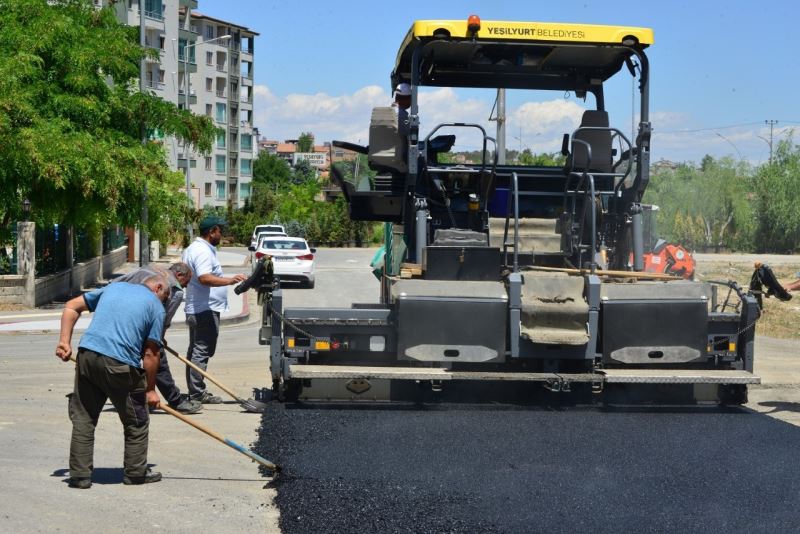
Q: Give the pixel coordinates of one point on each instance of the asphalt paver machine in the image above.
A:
(509, 274)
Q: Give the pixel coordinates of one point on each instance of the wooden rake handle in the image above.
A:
(204, 373)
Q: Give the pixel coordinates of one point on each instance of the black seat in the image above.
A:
(599, 140)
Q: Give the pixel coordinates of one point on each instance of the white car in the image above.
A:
(266, 229)
(292, 259)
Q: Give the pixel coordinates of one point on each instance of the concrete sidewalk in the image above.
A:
(47, 319)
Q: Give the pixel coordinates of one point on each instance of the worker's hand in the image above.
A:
(153, 400)
(63, 350)
(238, 278)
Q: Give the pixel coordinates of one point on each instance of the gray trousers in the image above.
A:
(203, 334)
(98, 378)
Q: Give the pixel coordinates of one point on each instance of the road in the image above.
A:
(410, 468)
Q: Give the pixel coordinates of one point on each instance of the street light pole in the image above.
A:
(187, 91)
(731, 143)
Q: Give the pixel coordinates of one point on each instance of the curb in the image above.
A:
(242, 317)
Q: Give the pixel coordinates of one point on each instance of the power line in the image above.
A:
(695, 130)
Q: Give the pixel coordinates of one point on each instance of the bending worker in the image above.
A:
(202, 318)
(117, 359)
(178, 276)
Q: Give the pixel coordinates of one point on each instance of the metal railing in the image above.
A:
(155, 15)
(220, 68)
(246, 99)
(155, 85)
(221, 94)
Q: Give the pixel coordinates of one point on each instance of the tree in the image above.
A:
(71, 118)
(778, 210)
(272, 171)
(306, 142)
(303, 172)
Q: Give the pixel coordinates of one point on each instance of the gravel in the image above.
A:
(447, 468)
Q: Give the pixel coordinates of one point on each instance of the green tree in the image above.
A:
(303, 172)
(305, 143)
(541, 160)
(272, 171)
(71, 118)
(776, 188)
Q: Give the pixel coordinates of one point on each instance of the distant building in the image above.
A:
(220, 85)
(663, 165)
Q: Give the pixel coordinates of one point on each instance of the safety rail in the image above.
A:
(586, 186)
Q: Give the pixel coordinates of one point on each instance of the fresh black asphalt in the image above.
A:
(446, 468)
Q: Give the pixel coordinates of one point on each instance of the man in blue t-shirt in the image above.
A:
(117, 359)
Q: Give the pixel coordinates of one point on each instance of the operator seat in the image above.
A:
(386, 145)
(599, 140)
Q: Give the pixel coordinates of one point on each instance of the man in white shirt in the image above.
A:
(201, 316)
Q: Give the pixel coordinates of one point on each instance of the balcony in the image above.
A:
(233, 173)
(221, 94)
(246, 99)
(233, 126)
(221, 68)
(154, 15)
(233, 95)
(182, 96)
(182, 63)
(159, 86)
(191, 4)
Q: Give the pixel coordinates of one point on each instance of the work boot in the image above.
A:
(208, 398)
(80, 483)
(148, 478)
(188, 406)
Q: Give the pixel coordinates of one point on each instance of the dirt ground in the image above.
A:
(780, 319)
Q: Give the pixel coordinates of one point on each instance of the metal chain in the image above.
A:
(289, 323)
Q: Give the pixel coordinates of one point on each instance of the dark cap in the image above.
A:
(210, 222)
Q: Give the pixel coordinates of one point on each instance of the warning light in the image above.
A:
(473, 24)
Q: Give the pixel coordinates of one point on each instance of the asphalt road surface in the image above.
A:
(457, 468)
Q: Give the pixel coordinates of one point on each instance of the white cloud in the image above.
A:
(535, 125)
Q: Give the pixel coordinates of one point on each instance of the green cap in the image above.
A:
(210, 222)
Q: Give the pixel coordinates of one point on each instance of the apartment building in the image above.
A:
(207, 65)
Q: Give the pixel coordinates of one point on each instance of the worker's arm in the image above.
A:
(211, 280)
(150, 357)
(794, 286)
(72, 311)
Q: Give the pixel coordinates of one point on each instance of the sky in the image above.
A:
(719, 70)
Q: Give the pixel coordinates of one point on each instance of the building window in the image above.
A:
(220, 112)
(209, 84)
(244, 191)
(209, 58)
(209, 110)
(208, 168)
(209, 32)
(221, 140)
(221, 165)
(247, 142)
(220, 190)
(246, 167)
(234, 139)
(207, 188)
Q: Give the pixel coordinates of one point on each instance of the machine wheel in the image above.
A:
(733, 394)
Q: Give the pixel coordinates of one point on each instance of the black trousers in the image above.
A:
(165, 383)
(97, 379)
(203, 334)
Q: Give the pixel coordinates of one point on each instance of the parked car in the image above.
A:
(273, 229)
(292, 258)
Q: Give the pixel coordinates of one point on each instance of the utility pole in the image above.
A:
(772, 124)
(501, 127)
(144, 241)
